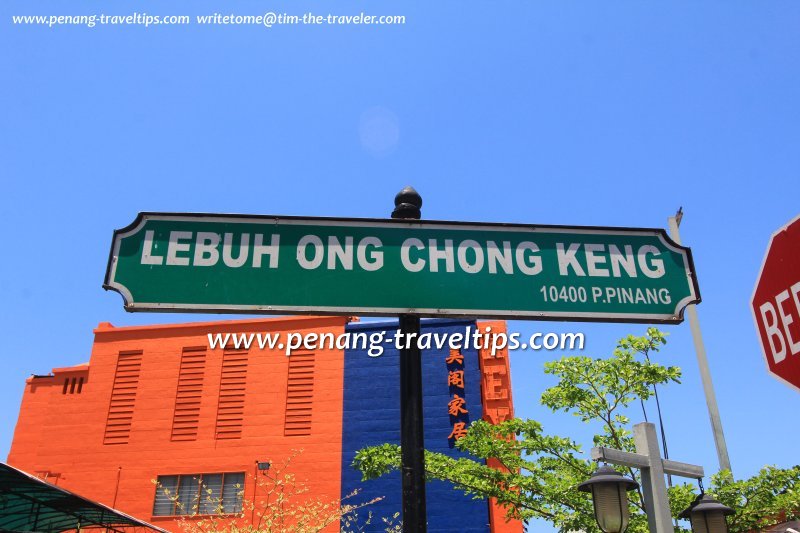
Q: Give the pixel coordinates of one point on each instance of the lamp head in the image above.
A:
(610, 499)
(707, 515)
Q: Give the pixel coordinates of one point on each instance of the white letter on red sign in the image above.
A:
(773, 331)
(787, 319)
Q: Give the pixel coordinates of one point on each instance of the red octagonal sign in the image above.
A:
(776, 304)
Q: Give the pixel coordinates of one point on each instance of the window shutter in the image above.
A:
(230, 410)
(123, 398)
(190, 391)
(299, 395)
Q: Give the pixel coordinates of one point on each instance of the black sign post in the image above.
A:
(408, 204)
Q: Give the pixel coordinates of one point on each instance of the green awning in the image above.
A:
(29, 504)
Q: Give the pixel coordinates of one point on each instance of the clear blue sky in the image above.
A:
(586, 113)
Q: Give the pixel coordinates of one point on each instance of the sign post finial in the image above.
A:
(407, 204)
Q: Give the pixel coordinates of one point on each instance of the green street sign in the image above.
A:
(270, 264)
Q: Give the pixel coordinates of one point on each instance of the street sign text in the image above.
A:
(383, 267)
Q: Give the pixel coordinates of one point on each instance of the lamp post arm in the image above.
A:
(636, 460)
(619, 457)
(676, 468)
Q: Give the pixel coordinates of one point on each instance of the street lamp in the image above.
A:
(707, 515)
(610, 498)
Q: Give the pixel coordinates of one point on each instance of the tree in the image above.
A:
(540, 471)
(280, 505)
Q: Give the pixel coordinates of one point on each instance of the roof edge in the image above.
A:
(106, 328)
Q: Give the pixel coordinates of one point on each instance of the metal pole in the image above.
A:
(656, 503)
(408, 204)
(702, 362)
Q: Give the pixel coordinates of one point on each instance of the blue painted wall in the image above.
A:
(372, 416)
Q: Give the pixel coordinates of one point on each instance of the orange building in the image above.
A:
(157, 403)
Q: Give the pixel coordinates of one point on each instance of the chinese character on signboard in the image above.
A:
(457, 405)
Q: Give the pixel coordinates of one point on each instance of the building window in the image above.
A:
(199, 494)
(72, 385)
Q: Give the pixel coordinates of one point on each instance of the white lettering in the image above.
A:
(319, 252)
(227, 247)
(463, 262)
(663, 295)
(592, 261)
(495, 257)
(205, 248)
(375, 260)
(345, 255)
(771, 328)
(405, 255)
(567, 259)
(786, 319)
(435, 254)
(536, 262)
(272, 250)
(626, 261)
(147, 253)
(175, 246)
(657, 269)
